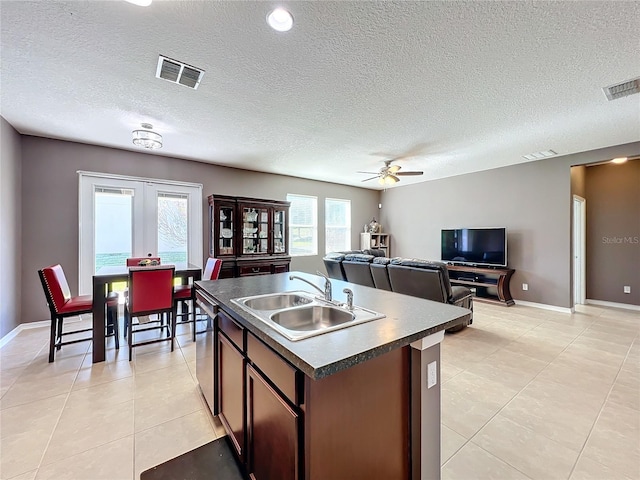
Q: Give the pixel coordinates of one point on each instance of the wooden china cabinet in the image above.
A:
(249, 235)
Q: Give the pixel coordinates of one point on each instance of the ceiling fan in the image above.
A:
(388, 175)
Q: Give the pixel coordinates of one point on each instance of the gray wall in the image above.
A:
(613, 232)
(50, 202)
(533, 200)
(10, 226)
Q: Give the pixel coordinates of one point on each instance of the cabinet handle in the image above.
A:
(255, 269)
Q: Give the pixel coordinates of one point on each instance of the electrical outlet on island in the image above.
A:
(627, 289)
(525, 286)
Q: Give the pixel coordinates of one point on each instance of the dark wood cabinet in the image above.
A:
(291, 425)
(249, 235)
(272, 432)
(488, 284)
(231, 392)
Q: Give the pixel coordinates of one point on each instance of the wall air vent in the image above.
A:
(623, 89)
(178, 72)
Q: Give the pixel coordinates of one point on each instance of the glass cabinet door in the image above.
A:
(279, 233)
(225, 222)
(255, 230)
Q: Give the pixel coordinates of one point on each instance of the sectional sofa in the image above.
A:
(410, 276)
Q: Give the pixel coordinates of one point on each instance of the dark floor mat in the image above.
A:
(212, 461)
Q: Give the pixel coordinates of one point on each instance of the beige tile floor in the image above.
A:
(526, 393)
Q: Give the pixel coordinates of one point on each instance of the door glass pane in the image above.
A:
(173, 218)
(113, 226)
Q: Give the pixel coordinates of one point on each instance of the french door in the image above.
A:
(122, 217)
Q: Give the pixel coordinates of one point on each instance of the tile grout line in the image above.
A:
(580, 453)
(513, 397)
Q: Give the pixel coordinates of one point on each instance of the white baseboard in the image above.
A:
(23, 326)
(544, 306)
(602, 303)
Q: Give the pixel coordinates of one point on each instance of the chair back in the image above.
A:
(333, 265)
(135, 261)
(55, 285)
(380, 273)
(420, 278)
(150, 289)
(212, 269)
(357, 269)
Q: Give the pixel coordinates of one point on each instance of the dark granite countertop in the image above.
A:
(407, 319)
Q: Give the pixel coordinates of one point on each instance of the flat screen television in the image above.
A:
(475, 246)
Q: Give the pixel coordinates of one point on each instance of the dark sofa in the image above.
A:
(410, 276)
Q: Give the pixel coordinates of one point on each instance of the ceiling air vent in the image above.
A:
(623, 89)
(178, 72)
(540, 155)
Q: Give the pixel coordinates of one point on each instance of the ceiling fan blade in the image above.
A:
(370, 173)
(367, 179)
(409, 173)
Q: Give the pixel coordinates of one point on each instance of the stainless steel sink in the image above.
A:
(277, 302)
(298, 315)
(314, 317)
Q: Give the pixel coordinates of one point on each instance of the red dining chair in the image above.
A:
(135, 262)
(62, 305)
(150, 292)
(187, 293)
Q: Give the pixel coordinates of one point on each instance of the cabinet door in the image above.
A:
(280, 230)
(223, 227)
(231, 393)
(272, 430)
(255, 229)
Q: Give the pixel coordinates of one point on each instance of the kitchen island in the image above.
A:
(358, 402)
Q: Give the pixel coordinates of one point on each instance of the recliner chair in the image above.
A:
(380, 273)
(357, 270)
(333, 265)
(430, 280)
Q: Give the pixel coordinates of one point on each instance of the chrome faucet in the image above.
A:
(327, 285)
(349, 293)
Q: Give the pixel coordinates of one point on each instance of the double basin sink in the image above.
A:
(298, 315)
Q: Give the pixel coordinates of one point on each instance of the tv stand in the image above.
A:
(489, 284)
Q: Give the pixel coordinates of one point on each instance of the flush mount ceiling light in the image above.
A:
(619, 160)
(147, 138)
(280, 20)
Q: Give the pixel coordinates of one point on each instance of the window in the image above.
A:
(303, 225)
(337, 225)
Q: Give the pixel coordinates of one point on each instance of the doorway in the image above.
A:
(579, 250)
(122, 217)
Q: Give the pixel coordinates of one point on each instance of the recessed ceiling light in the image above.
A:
(140, 3)
(280, 20)
(619, 160)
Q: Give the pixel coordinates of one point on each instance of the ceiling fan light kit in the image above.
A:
(388, 175)
(388, 180)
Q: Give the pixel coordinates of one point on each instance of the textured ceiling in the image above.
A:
(455, 87)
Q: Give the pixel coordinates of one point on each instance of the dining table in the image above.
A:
(106, 276)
